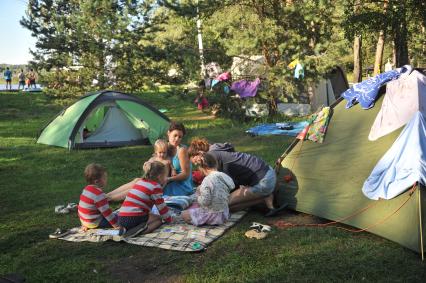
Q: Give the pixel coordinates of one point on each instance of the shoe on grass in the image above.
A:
(254, 234)
(61, 209)
(59, 233)
(274, 211)
(71, 206)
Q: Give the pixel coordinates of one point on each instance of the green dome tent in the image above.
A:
(105, 119)
(326, 179)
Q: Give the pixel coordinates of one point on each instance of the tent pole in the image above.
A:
(421, 225)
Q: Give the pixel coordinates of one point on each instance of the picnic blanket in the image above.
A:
(179, 237)
(289, 129)
(179, 202)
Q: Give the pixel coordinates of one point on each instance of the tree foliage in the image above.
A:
(127, 44)
(281, 31)
(100, 40)
(402, 22)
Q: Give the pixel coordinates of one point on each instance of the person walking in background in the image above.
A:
(21, 78)
(8, 77)
(31, 79)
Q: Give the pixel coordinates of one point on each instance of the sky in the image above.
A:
(15, 40)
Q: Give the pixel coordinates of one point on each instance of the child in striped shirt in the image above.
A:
(135, 212)
(93, 208)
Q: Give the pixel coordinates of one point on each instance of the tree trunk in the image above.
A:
(379, 53)
(357, 76)
(393, 53)
(401, 46)
(400, 39)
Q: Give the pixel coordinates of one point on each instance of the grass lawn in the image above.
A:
(35, 178)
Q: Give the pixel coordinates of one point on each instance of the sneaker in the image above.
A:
(61, 209)
(71, 206)
(135, 230)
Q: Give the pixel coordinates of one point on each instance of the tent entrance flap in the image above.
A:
(115, 127)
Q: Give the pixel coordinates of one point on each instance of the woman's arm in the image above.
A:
(184, 164)
(120, 193)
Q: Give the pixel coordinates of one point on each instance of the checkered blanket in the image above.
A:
(178, 237)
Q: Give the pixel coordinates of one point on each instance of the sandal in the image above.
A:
(260, 227)
(255, 234)
(59, 233)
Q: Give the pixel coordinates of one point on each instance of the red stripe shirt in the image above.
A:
(93, 206)
(142, 197)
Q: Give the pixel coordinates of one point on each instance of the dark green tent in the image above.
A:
(328, 178)
(105, 119)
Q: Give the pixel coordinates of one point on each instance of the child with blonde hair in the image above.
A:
(212, 195)
(93, 208)
(162, 153)
(135, 212)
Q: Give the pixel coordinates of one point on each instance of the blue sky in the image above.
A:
(15, 41)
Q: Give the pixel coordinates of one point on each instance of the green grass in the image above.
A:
(35, 178)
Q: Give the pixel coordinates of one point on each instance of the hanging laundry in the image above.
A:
(366, 92)
(293, 64)
(404, 97)
(214, 82)
(246, 88)
(304, 133)
(226, 89)
(388, 66)
(299, 73)
(207, 83)
(318, 128)
(224, 77)
(402, 165)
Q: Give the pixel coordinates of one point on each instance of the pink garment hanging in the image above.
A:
(224, 77)
(404, 97)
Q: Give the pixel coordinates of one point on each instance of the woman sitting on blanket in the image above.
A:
(135, 212)
(177, 185)
(212, 195)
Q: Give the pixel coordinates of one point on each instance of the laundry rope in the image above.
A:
(381, 221)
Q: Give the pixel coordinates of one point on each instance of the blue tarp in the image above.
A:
(288, 129)
(402, 165)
